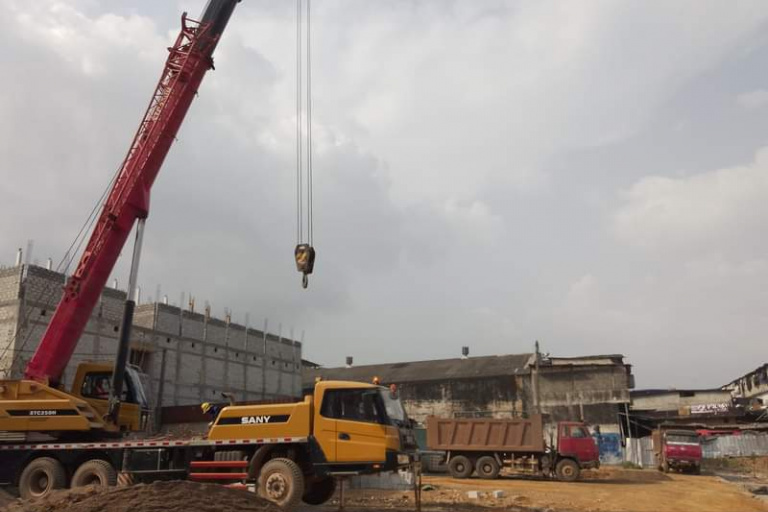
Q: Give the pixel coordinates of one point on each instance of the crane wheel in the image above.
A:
(487, 467)
(40, 477)
(281, 481)
(319, 491)
(96, 472)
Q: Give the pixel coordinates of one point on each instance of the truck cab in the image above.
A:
(677, 450)
(340, 428)
(575, 442)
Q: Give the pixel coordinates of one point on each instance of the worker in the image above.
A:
(102, 388)
(211, 410)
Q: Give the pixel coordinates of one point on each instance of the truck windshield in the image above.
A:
(393, 406)
(681, 439)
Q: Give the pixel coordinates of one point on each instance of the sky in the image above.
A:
(592, 175)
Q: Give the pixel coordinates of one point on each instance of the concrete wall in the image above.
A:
(497, 397)
(592, 392)
(681, 400)
(204, 356)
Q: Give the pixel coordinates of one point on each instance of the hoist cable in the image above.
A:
(299, 134)
(310, 198)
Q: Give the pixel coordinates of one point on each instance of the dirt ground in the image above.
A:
(156, 497)
(606, 490)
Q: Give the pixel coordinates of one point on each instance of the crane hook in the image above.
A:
(304, 254)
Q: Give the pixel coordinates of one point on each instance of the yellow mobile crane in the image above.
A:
(52, 439)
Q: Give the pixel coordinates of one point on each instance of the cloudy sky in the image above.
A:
(593, 175)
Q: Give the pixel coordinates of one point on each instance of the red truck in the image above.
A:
(677, 450)
(485, 446)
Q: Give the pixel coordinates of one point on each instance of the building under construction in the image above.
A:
(189, 357)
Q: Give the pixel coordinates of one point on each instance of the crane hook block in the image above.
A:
(305, 261)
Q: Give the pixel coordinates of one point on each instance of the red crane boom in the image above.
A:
(190, 57)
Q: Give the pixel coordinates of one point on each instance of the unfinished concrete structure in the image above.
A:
(595, 388)
(189, 357)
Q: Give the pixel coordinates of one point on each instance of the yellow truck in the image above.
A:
(287, 452)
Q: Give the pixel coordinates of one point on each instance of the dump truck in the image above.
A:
(286, 452)
(677, 450)
(486, 446)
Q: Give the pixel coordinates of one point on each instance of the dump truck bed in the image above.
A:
(485, 435)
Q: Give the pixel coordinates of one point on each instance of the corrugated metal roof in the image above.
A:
(421, 371)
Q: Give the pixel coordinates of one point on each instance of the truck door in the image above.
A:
(576, 442)
(360, 423)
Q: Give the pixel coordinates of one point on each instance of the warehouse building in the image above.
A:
(189, 357)
(593, 388)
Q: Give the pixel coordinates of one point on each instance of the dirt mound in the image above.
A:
(178, 496)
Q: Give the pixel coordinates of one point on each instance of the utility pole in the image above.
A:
(535, 380)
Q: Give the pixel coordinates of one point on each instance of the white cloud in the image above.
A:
(702, 211)
(753, 99)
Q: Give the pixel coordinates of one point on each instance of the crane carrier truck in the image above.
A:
(287, 452)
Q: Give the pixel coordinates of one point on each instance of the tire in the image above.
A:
(95, 472)
(231, 455)
(460, 467)
(487, 467)
(320, 491)
(40, 477)
(567, 470)
(281, 482)
(696, 470)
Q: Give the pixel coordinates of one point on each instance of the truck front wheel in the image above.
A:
(319, 491)
(487, 467)
(281, 482)
(460, 467)
(567, 470)
(95, 472)
(40, 477)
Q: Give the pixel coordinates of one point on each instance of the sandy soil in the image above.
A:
(156, 497)
(607, 490)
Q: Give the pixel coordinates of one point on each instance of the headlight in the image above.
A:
(403, 459)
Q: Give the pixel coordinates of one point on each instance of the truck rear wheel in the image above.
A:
(460, 467)
(487, 467)
(567, 470)
(319, 491)
(40, 477)
(95, 472)
(281, 482)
